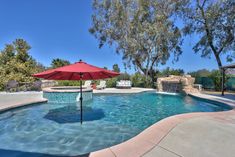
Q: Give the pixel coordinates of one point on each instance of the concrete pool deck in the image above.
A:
(11, 100)
(122, 91)
(186, 135)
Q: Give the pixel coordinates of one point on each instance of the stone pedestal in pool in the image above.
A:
(66, 94)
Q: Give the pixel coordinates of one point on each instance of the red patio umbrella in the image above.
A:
(77, 71)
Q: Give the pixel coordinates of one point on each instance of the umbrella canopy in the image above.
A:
(78, 71)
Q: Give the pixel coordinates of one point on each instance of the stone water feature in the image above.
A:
(176, 84)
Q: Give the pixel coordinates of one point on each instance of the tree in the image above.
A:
(215, 76)
(213, 21)
(17, 64)
(22, 48)
(200, 73)
(59, 63)
(143, 31)
(116, 68)
(168, 71)
(208, 79)
(139, 80)
(7, 54)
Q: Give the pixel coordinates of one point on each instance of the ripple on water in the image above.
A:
(26, 125)
(6, 115)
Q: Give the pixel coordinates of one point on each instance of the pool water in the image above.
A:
(54, 128)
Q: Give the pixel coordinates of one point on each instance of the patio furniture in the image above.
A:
(123, 84)
(102, 85)
(12, 84)
(87, 84)
(198, 86)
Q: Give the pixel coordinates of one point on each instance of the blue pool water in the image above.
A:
(54, 128)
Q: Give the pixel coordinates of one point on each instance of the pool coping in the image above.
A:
(21, 104)
(149, 138)
(69, 89)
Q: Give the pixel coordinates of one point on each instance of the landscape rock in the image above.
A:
(177, 84)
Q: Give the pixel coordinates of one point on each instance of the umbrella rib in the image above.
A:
(106, 74)
(52, 75)
(71, 76)
(91, 76)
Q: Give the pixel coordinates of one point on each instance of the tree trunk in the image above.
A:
(210, 36)
(152, 78)
(218, 60)
(221, 72)
(148, 71)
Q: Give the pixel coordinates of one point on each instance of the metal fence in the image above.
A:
(230, 84)
(209, 84)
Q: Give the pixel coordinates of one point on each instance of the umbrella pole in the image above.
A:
(81, 98)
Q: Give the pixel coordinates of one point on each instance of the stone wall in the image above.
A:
(176, 84)
(48, 83)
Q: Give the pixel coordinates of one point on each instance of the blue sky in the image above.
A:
(59, 29)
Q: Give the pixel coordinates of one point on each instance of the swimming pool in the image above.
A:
(54, 128)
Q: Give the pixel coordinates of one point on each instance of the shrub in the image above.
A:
(216, 77)
(139, 80)
(111, 83)
(124, 76)
(16, 63)
(68, 83)
(211, 79)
